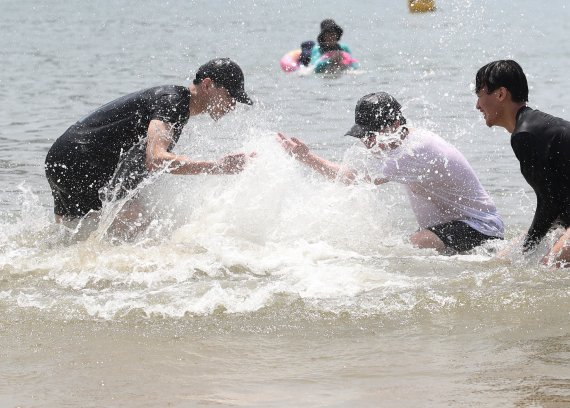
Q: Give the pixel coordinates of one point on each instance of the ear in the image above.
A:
(503, 94)
(207, 83)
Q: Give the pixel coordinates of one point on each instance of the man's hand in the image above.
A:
(301, 152)
(234, 163)
(294, 146)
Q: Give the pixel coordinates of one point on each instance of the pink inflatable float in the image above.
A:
(290, 61)
(330, 61)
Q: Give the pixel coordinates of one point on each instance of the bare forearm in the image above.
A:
(176, 164)
(301, 152)
(327, 168)
(187, 166)
(321, 165)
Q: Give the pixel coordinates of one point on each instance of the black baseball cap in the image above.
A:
(226, 73)
(375, 112)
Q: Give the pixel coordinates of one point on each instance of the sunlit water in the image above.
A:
(273, 287)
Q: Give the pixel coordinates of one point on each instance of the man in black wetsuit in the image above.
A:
(110, 151)
(540, 141)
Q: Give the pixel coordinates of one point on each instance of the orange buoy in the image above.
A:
(421, 6)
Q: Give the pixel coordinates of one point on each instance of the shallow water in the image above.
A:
(273, 287)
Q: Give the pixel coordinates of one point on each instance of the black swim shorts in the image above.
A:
(459, 236)
(79, 180)
(75, 189)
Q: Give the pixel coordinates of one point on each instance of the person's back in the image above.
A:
(97, 143)
(117, 126)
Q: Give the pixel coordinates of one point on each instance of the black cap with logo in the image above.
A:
(226, 73)
(374, 112)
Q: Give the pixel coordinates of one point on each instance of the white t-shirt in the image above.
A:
(440, 183)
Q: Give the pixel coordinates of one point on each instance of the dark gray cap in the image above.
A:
(226, 73)
(374, 112)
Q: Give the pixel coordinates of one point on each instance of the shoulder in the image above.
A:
(155, 94)
(530, 123)
(171, 96)
(345, 47)
(434, 148)
(527, 119)
(530, 120)
(170, 103)
(169, 90)
(533, 128)
(425, 139)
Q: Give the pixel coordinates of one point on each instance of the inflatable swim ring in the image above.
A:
(325, 63)
(290, 61)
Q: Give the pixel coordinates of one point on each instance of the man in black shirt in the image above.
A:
(109, 152)
(540, 141)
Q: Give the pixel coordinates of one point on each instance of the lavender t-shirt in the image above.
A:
(440, 183)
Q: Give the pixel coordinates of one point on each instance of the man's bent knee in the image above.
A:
(426, 239)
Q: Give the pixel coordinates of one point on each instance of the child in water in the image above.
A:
(306, 50)
(330, 55)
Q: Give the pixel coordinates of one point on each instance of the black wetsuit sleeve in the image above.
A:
(529, 150)
(544, 218)
(170, 108)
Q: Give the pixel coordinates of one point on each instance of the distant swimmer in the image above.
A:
(113, 149)
(540, 141)
(297, 59)
(454, 212)
(329, 55)
(306, 51)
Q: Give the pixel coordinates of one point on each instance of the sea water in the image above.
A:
(273, 287)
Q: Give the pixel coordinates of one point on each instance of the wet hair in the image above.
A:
(503, 73)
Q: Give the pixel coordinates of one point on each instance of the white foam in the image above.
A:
(235, 244)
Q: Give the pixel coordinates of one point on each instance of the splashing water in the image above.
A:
(272, 234)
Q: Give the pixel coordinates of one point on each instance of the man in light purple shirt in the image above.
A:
(453, 210)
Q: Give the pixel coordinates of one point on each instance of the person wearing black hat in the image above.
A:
(110, 151)
(453, 210)
(327, 55)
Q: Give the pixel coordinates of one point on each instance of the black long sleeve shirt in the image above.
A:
(541, 142)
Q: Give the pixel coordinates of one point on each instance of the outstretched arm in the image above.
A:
(301, 152)
(159, 137)
(544, 218)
